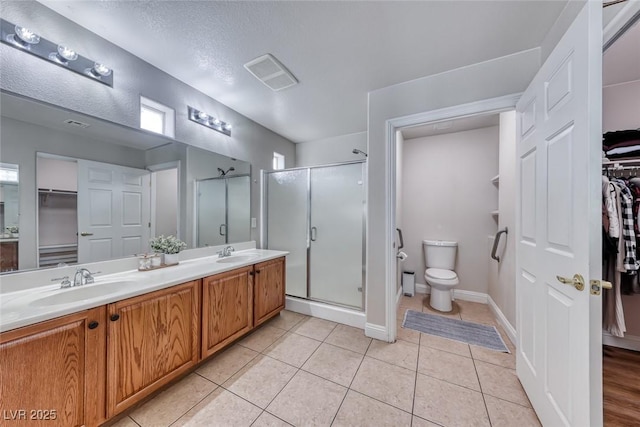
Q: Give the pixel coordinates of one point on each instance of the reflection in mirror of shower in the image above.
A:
(223, 210)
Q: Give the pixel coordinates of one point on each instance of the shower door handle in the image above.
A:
(314, 234)
(223, 227)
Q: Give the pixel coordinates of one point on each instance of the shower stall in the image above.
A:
(222, 210)
(318, 214)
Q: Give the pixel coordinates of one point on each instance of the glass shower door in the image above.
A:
(238, 212)
(287, 200)
(337, 234)
(211, 213)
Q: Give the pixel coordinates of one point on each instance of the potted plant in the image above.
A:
(169, 246)
(12, 231)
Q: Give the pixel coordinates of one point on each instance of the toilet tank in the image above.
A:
(440, 254)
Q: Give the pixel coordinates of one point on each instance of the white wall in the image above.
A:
(621, 111)
(503, 288)
(621, 107)
(448, 195)
(331, 150)
(490, 79)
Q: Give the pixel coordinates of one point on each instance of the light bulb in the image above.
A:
(100, 70)
(66, 53)
(226, 126)
(202, 116)
(27, 36)
(216, 122)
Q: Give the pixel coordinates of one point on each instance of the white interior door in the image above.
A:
(114, 211)
(559, 356)
(211, 213)
(336, 234)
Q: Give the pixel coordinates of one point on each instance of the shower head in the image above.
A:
(224, 173)
(356, 151)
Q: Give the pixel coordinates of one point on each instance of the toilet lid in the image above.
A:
(439, 273)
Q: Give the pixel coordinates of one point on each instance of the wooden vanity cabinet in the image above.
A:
(8, 256)
(151, 340)
(53, 373)
(269, 290)
(227, 308)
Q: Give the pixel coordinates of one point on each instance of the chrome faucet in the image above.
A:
(83, 277)
(225, 252)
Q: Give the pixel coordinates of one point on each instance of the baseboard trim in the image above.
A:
(343, 315)
(502, 320)
(471, 296)
(377, 332)
(460, 294)
(629, 342)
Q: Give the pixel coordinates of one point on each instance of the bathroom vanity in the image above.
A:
(82, 355)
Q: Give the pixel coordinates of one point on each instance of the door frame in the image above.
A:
(476, 108)
(157, 168)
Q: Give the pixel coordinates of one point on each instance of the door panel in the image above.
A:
(557, 229)
(287, 224)
(211, 214)
(337, 215)
(268, 291)
(153, 339)
(114, 211)
(239, 215)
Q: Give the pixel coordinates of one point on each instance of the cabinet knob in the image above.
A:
(93, 324)
(251, 273)
(257, 271)
(115, 317)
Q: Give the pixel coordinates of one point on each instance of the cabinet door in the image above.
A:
(227, 308)
(269, 289)
(52, 373)
(8, 256)
(152, 339)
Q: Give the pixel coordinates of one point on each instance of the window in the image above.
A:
(278, 161)
(157, 118)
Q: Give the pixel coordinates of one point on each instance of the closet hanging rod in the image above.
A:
(621, 162)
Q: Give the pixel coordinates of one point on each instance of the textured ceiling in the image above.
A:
(621, 62)
(339, 51)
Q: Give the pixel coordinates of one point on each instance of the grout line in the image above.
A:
(254, 421)
(134, 421)
(486, 408)
(275, 416)
(199, 401)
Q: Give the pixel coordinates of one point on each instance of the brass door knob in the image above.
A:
(577, 281)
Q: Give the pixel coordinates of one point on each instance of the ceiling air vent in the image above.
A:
(271, 72)
(76, 123)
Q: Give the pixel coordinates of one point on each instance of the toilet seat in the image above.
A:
(440, 274)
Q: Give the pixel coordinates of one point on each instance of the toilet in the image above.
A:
(440, 260)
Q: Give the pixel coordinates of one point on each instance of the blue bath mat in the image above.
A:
(454, 329)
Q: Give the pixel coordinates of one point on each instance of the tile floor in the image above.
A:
(303, 371)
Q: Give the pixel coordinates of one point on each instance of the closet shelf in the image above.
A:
(495, 213)
(496, 180)
(51, 191)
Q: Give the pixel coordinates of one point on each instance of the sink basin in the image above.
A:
(233, 259)
(80, 293)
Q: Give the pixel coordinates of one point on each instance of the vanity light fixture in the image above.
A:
(26, 40)
(209, 121)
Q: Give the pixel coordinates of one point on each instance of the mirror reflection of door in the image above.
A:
(91, 211)
(114, 211)
(164, 202)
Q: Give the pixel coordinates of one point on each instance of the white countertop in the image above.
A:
(38, 303)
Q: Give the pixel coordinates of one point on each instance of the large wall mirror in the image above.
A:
(91, 190)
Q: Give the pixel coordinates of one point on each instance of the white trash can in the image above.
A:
(409, 283)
